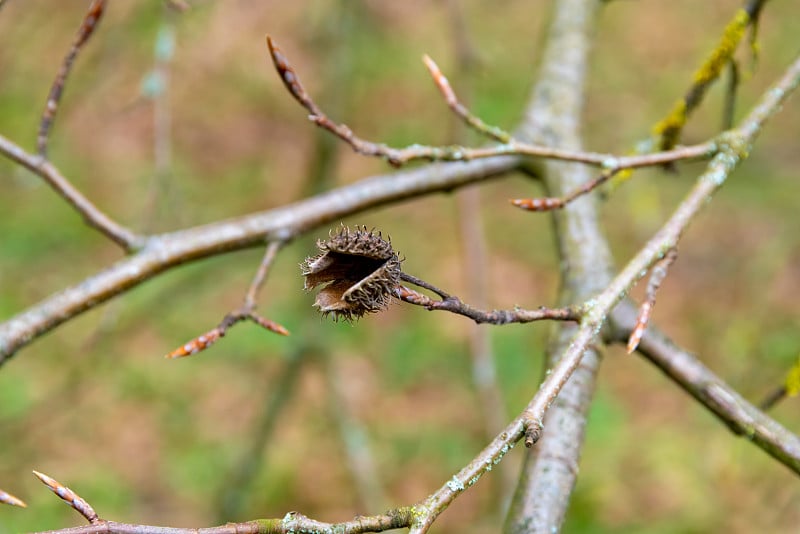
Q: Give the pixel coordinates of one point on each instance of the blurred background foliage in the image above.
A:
(169, 442)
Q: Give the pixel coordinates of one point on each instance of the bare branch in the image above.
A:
(552, 117)
(460, 109)
(245, 313)
(708, 389)
(291, 523)
(496, 317)
(401, 156)
(774, 397)
(261, 274)
(731, 89)
(204, 341)
(659, 272)
(670, 127)
(91, 214)
(69, 496)
(88, 26)
(553, 203)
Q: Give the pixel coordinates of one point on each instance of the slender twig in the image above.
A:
(460, 109)
(789, 388)
(496, 317)
(5, 497)
(204, 341)
(774, 397)
(291, 523)
(261, 274)
(670, 127)
(400, 156)
(85, 31)
(91, 214)
(244, 313)
(729, 102)
(708, 389)
(553, 203)
(69, 496)
(657, 275)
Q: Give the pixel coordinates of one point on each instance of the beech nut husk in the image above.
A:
(358, 270)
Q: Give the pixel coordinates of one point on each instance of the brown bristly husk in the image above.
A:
(359, 271)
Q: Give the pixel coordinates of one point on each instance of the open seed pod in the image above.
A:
(359, 270)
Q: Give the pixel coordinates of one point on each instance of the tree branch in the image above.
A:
(85, 31)
(509, 146)
(496, 317)
(708, 389)
(91, 214)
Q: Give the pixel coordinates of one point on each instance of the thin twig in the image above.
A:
(400, 156)
(244, 313)
(291, 523)
(460, 109)
(777, 395)
(708, 389)
(789, 388)
(204, 341)
(670, 127)
(729, 102)
(5, 497)
(91, 214)
(85, 31)
(261, 274)
(657, 275)
(70, 497)
(553, 203)
(496, 317)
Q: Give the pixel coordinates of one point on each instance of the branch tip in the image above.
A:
(69, 496)
(7, 498)
(200, 343)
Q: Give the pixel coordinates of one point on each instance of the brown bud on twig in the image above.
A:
(7, 498)
(69, 496)
(199, 343)
(360, 272)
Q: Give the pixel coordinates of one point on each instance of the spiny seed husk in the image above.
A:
(359, 271)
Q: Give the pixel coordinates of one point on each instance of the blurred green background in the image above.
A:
(166, 442)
